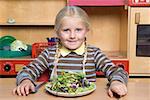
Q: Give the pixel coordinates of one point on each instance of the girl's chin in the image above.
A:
(72, 47)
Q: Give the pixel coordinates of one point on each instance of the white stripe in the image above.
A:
(45, 54)
(39, 61)
(99, 61)
(35, 69)
(107, 64)
(52, 52)
(51, 58)
(38, 67)
(46, 50)
(29, 70)
(44, 60)
(76, 59)
(91, 75)
(72, 64)
(117, 78)
(51, 48)
(91, 53)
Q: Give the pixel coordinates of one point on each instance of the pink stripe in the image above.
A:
(96, 2)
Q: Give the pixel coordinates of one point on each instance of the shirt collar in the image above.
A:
(64, 51)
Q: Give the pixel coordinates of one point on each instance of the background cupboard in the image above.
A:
(113, 27)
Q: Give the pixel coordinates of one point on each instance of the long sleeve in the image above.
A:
(111, 71)
(33, 70)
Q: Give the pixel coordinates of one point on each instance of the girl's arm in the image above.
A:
(33, 70)
(116, 76)
(111, 71)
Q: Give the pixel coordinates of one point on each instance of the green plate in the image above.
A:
(6, 41)
(13, 54)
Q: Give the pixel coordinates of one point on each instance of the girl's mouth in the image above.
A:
(72, 41)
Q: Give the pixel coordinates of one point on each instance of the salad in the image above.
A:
(71, 82)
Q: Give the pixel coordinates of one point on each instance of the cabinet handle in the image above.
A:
(137, 18)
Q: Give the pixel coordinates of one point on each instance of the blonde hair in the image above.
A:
(71, 11)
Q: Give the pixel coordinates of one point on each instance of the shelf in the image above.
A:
(114, 55)
(26, 24)
(19, 58)
(25, 13)
(97, 2)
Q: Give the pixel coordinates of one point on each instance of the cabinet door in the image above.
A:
(139, 17)
(30, 11)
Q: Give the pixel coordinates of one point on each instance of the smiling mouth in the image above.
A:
(72, 42)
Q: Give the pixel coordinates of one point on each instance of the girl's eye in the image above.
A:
(78, 29)
(65, 30)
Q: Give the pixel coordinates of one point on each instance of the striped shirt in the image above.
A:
(96, 61)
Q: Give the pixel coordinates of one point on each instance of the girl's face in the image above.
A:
(72, 32)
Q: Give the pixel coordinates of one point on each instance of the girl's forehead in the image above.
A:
(72, 21)
(67, 19)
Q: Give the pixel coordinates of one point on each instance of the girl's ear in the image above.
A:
(87, 32)
(57, 33)
(87, 29)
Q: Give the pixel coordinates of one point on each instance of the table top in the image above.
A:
(138, 89)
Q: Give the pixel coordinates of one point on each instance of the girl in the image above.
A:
(72, 53)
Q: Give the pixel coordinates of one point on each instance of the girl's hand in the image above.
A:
(24, 88)
(118, 88)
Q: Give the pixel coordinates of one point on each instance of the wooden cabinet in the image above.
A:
(138, 16)
(34, 19)
(115, 29)
(109, 30)
(28, 12)
(109, 22)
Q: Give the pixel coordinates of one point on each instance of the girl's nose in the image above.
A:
(72, 34)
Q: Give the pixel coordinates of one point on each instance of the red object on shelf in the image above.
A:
(139, 2)
(120, 63)
(96, 2)
(11, 67)
(37, 48)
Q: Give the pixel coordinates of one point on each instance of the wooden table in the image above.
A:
(138, 89)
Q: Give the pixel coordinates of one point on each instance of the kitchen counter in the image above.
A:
(138, 89)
